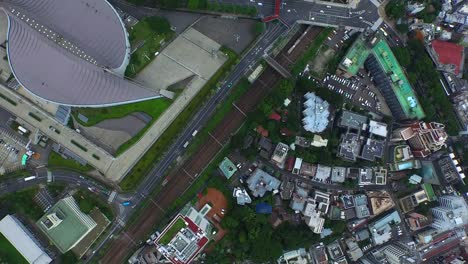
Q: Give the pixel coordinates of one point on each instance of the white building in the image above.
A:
(23, 240)
(451, 212)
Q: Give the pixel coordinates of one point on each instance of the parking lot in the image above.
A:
(11, 150)
(44, 199)
(337, 38)
(359, 90)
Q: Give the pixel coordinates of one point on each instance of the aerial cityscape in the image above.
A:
(234, 131)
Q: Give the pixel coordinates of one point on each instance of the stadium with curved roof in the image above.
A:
(71, 52)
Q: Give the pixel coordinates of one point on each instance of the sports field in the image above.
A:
(8, 253)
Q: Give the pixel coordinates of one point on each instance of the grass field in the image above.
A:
(56, 161)
(8, 253)
(152, 156)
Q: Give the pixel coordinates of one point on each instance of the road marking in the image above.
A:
(209, 133)
(287, 58)
(131, 239)
(157, 205)
(186, 172)
(242, 112)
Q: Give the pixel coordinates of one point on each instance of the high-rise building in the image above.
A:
(423, 138)
(451, 212)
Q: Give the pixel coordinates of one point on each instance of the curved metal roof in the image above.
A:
(60, 50)
(92, 25)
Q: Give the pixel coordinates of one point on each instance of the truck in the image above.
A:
(186, 144)
(194, 133)
(30, 178)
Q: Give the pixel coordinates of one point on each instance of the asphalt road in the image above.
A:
(67, 177)
(363, 16)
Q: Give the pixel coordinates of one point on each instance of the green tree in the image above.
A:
(395, 9)
(192, 4)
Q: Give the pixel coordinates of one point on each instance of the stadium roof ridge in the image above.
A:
(71, 52)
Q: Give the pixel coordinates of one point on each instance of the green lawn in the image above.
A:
(147, 36)
(9, 254)
(171, 232)
(148, 160)
(22, 202)
(56, 161)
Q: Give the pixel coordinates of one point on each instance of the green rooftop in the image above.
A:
(227, 168)
(355, 57)
(427, 187)
(400, 83)
(65, 225)
(170, 233)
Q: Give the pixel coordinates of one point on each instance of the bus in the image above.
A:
(22, 130)
(126, 203)
(29, 178)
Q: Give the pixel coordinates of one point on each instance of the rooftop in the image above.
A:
(401, 86)
(355, 57)
(65, 225)
(22, 240)
(260, 182)
(449, 54)
(227, 168)
(353, 120)
(316, 113)
(372, 149)
(186, 240)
